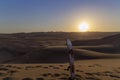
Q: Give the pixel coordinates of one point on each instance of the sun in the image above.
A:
(84, 27)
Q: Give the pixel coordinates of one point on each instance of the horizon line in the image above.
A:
(62, 32)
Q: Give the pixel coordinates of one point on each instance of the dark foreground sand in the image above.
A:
(100, 69)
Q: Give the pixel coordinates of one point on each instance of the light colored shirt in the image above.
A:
(69, 44)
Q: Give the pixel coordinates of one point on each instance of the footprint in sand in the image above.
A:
(56, 68)
(91, 66)
(95, 73)
(11, 72)
(4, 69)
(65, 69)
(98, 65)
(108, 72)
(11, 78)
(29, 67)
(78, 76)
(27, 79)
(79, 65)
(38, 66)
(46, 74)
(117, 70)
(118, 67)
(39, 78)
(61, 65)
(51, 66)
(3, 73)
(115, 76)
(64, 74)
(79, 71)
(91, 78)
(63, 78)
(9, 66)
(45, 67)
(56, 75)
(52, 75)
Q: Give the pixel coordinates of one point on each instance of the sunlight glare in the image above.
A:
(84, 27)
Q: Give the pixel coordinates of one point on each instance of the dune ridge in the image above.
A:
(51, 47)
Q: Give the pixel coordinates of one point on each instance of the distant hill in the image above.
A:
(58, 35)
(109, 40)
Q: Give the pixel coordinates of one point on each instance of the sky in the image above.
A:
(59, 15)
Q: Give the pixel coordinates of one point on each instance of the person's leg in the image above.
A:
(72, 72)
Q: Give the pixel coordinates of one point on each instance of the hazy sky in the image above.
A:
(58, 15)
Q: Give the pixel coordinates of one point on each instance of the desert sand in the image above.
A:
(101, 69)
(43, 56)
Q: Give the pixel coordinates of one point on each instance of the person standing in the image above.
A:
(71, 59)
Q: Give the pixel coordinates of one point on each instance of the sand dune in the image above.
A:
(51, 48)
(109, 40)
(43, 56)
(60, 55)
(94, 55)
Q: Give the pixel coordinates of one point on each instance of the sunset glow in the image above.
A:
(59, 16)
(84, 27)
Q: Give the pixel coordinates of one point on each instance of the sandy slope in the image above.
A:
(58, 54)
(93, 54)
(51, 48)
